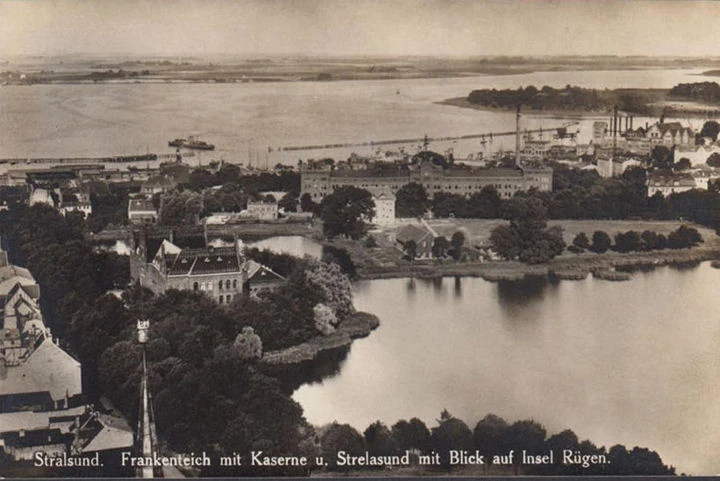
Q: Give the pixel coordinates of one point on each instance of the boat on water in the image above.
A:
(192, 142)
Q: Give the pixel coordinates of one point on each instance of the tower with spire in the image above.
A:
(146, 438)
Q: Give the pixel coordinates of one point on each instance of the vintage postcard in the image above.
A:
(359, 238)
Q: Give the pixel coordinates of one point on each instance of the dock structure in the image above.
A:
(94, 160)
(422, 140)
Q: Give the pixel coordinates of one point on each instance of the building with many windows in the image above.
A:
(435, 178)
(222, 273)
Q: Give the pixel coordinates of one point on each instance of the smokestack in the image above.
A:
(517, 137)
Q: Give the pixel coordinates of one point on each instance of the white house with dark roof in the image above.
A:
(670, 133)
(142, 211)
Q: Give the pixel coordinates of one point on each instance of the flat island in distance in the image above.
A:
(226, 68)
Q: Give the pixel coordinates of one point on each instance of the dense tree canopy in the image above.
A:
(527, 237)
(411, 200)
(346, 211)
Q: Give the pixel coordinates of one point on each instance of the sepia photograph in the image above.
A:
(359, 238)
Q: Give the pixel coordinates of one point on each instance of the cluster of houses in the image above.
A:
(42, 407)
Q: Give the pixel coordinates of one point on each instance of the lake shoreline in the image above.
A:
(358, 325)
(609, 266)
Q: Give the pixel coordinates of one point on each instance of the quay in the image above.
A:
(92, 160)
(488, 135)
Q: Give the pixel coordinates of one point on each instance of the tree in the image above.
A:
(340, 437)
(446, 204)
(411, 200)
(526, 435)
(527, 238)
(248, 345)
(627, 241)
(413, 435)
(490, 436)
(456, 242)
(334, 287)
(289, 202)
(440, 246)
(581, 241)
(661, 157)
(325, 319)
(684, 237)
(345, 211)
(380, 441)
(307, 204)
(180, 208)
(713, 160)
(410, 249)
(682, 164)
(450, 434)
(711, 128)
(485, 204)
(601, 242)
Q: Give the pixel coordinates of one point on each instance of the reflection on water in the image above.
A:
(325, 366)
(631, 362)
(524, 290)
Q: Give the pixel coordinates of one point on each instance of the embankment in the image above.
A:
(358, 325)
(569, 267)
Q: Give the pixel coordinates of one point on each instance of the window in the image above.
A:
(220, 300)
(220, 285)
(235, 284)
(227, 284)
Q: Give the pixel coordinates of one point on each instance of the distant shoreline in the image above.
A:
(670, 109)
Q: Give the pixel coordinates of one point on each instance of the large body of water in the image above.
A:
(244, 120)
(635, 363)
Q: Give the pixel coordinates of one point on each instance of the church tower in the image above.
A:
(146, 438)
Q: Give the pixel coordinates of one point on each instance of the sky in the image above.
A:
(360, 27)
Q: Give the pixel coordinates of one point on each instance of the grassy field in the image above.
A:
(386, 260)
(478, 230)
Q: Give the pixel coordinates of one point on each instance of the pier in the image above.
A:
(94, 160)
(484, 136)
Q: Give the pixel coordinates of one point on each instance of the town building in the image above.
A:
(42, 408)
(262, 210)
(158, 184)
(435, 178)
(421, 234)
(384, 209)
(141, 211)
(670, 133)
(222, 273)
(697, 155)
(670, 184)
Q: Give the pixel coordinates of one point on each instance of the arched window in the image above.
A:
(229, 298)
(227, 284)
(195, 286)
(234, 283)
(220, 285)
(221, 299)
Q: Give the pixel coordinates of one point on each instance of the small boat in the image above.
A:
(191, 142)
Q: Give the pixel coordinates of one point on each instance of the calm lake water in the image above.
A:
(243, 120)
(635, 362)
(294, 245)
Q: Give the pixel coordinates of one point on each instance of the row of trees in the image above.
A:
(492, 436)
(681, 238)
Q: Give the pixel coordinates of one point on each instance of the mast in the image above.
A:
(517, 136)
(146, 435)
